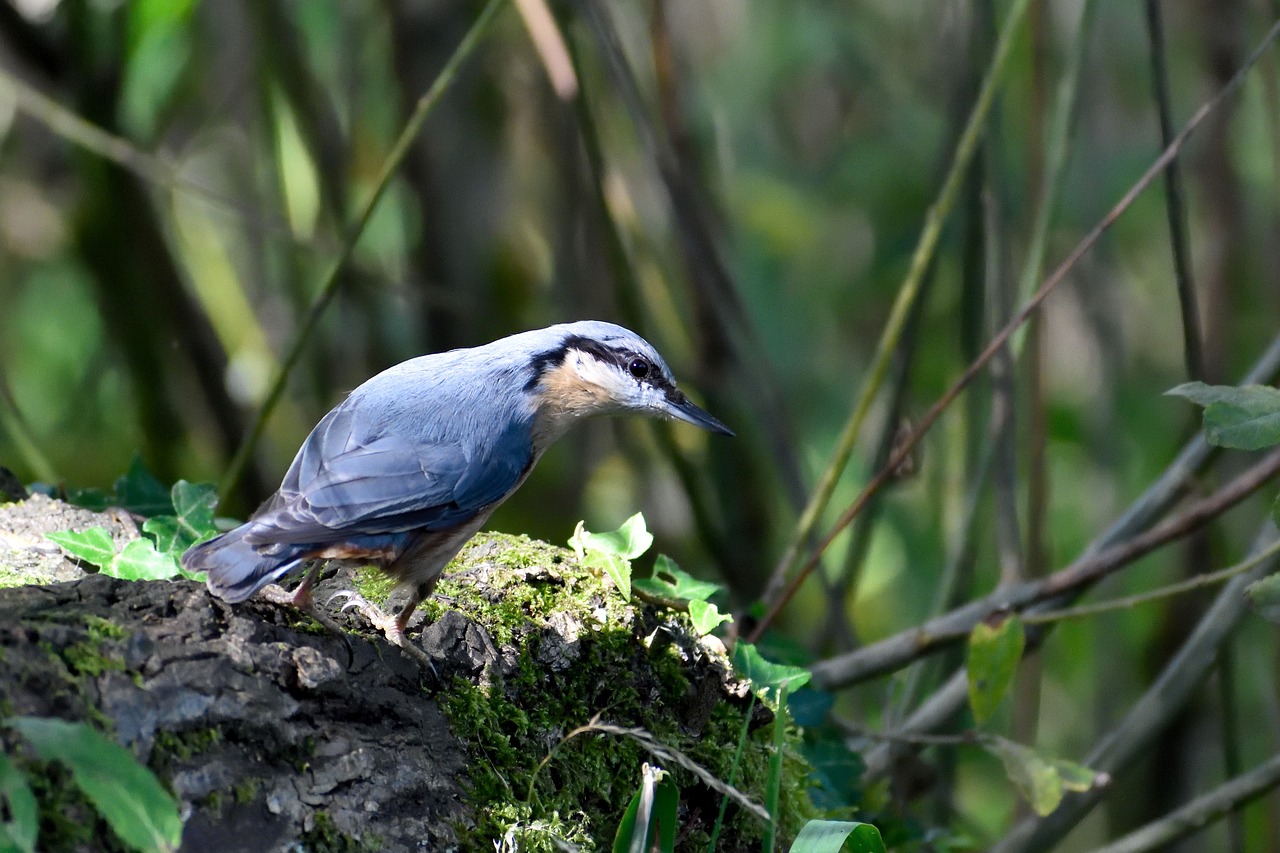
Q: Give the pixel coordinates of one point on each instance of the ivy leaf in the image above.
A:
(615, 567)
(19, 831)
(124, 792)
(766, 675)
(832, 836)
(91, 499)
(193, 505)
(1264, 595)
(140, 561)
(1244, 418)
(706, 617)
(628, 542)
(994, 652)
(669, 581)
(138, 491)
(94, 545)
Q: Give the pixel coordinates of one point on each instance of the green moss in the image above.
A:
(246, 790)
(14, 575)
(629, 669)
(103, 629)
(187, 745)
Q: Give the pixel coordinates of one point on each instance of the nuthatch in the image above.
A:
(407, 469)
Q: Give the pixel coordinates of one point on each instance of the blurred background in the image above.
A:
(743, 183)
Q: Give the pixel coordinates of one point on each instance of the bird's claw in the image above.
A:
(382, 621)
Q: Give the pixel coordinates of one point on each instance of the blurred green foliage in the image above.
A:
(146, 308)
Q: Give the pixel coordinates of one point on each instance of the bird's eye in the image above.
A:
(639, 368)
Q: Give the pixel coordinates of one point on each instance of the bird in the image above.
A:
(409, 467)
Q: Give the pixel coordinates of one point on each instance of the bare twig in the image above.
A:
(663, 753)
(1018, 320)
(717, 293)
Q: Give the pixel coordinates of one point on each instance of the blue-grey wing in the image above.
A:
(348, 481)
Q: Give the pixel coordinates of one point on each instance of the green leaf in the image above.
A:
(766, 675)
(628, 542)
(649, 822)
(1036, 778)
(140, 561)
(92, 499)
(837, 771)
(140, 492)
(193, 504)
(832, 836)
(1264, 596)
(617, 569)
(994, 652)
(124, 792)
(672, 582)
(1244, 418)
(18, 833)
(94, 545)
(706, 617)
(1077, 777)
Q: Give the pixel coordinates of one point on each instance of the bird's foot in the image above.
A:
(389, 625)
(300, 599)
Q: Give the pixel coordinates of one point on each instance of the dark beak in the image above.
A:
(681, 408)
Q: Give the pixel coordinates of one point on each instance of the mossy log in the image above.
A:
(275, 734)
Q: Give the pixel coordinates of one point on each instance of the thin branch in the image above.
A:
(1203, 810)
(328, 286)
(663, 753)
(549, 43)
(1019, 319)
(1192, 345)
(930, 234)
(1148, 716)
(945, 702)
(893, 652)
(1168, 591)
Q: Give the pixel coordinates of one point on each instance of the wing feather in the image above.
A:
(348, 479)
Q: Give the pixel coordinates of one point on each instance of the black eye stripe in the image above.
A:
(624, 358)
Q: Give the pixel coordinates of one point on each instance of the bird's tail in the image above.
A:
(236, 568)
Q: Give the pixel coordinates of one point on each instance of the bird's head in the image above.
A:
(598, 368)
